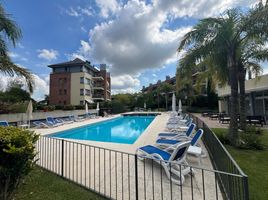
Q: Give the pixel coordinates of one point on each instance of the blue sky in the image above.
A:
(137, 39)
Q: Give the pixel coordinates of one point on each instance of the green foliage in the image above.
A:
(68, 107)
(118, 107)
(14, 95)
(49, 108)
(40, 184)
(79, 107)
(250, 139)
(17, 152)
(10, 32)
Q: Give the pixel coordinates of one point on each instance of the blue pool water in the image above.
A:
(119, 130)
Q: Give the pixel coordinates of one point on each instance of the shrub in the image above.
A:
(58, 107)
(80, 107)
(17, 152)
(250, 139)
(69, 107)
(223, 138)
(49, 108)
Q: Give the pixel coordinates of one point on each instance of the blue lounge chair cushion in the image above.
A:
(151, 149)
(3, 123)
(166, 141)
(167, 134)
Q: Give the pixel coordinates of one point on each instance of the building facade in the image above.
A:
(152, 87)
(256, 96)
(77, 82)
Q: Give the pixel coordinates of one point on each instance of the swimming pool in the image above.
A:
(125, 129)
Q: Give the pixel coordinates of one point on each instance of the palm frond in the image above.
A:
(7, 67)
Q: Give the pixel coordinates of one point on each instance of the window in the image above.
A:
(65, 91)
(88, 92)
(60, 81)
(81, 92)
(65, 80)
(60, 91)
(59, 102)
(81, 102)
(81, 79)
(64, 102)
(65, 69)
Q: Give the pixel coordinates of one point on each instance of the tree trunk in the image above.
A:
(166, 103)
(242, 95)
(233, 81)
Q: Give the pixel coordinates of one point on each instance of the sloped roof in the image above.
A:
(75, 62)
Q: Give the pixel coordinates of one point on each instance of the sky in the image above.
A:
(137, 39)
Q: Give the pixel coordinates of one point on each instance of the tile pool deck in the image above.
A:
(112, 173)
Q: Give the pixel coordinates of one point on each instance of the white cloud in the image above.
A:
(79, 11)
(124, 84)
(137, 35)
(16, 56)
(41, 87)
(47, 54)
(107, 7)
(83, 52)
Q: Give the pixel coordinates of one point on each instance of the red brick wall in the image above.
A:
(55, 98)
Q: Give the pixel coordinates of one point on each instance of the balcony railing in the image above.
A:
(97, 78)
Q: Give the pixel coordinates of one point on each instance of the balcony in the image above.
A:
(98, 78)
(98, 97)
(98, 87)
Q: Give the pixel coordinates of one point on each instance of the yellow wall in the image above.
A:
(76, 86)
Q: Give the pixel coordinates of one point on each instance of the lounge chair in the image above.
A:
(172, 135)
(51, 121)
(170, 144)
(4, 123)
(178, 126)
(173, 163)
(39, 124)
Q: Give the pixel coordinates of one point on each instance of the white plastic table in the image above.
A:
(194, 150)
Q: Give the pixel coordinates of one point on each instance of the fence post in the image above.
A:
(136, 177)
(62, 158)
(245, 184)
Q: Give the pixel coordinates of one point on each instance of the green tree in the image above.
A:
(166, 88)
(220, 41)
(17, 152)
(15, 93)
(9, 30)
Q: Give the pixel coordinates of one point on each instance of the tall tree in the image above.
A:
(10, 31)
(223, 38)
(166, 88)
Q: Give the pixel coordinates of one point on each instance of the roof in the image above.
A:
(75, 62)
(153, 86)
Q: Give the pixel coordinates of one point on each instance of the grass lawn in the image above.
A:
(255, 164)
(40, 184)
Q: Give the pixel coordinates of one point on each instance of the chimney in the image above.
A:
(150, 84)
(143, 87)
(102, 67)
(159, 81)
(167, 78)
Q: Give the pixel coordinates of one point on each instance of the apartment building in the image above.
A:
(77, 82)
(256, 96)
(153, 87)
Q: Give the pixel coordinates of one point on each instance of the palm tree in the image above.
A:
(10, 31)
(166, 88)
(223, 38)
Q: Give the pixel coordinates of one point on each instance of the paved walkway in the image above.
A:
(215, 123)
